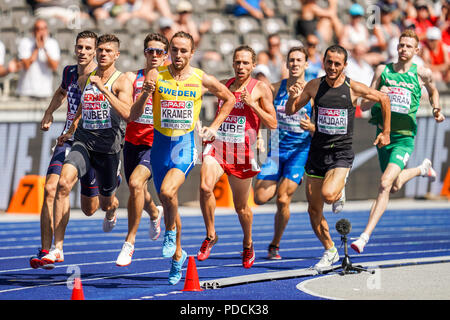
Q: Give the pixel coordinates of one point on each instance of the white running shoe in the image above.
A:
(426, 170)
(108, 225)
(155, 225)
(359, 244)
(124, 258)
(338, 205)
(329, 257)
(55, 255)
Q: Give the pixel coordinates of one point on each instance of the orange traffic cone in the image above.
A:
(77, 292)
(192, 283)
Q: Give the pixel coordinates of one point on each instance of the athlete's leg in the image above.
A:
(265, 190)
(68, 178)
(333, 184)
(315, 210)
(379, 206)
(46, 217)
(285, 192)
(139, 199)
(241, 191)
(168, 196)
(210, 174)
(89, 205)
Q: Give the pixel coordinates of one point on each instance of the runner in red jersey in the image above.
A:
(231, 151)
(137, 150)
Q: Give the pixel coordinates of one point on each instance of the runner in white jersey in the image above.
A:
(105, 103)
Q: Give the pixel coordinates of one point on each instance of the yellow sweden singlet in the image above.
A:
(177, 104)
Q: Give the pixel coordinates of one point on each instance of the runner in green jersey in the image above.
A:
(403, 82)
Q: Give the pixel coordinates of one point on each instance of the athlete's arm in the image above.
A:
(58, 98)
(148, 87)
(359, 89)
(299, 97)
(70, 132)
(121, 95)
(367, 104)
(426, 76)
(262, 104)
(220, 91)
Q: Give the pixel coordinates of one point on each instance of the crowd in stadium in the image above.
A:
(368, 31)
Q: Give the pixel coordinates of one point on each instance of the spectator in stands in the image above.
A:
(357, 68)
(12, 65)
(149, 10)
(356, 31)
(166, 27)
(314, 19)
(445, 22)
(65, 10)
(255, 8)
(274, 59)
(315, 66)
(39, 57)
(184, 22)
(99, 9)
(262, 73)
(424, 19)
(435, 55)
(386, 30)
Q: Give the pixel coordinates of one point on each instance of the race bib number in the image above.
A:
(400, 99)
(332, 121)
(177, 114)
(232, 130)
(290, 123)
(96, 110)
(147, 116)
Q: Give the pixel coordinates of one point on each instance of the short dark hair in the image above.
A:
(245, 48)
(104, 38)
(336, 48)
(182, 34)
(86, 34)
(156, 37)
(300, 49)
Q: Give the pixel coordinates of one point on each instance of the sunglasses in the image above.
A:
(155, 51)
(310, 44)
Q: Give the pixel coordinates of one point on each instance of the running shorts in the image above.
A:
(105, 165)
(320, 161)
(171, 152)
(89, 187)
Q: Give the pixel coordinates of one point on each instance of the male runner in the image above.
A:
(85, 45)
(176, 106)
(283, 170)
(105, 101)
(403, 82)
(331, 154)
(231, 151)
(136, 152)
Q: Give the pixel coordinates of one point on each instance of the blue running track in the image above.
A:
(91, 254)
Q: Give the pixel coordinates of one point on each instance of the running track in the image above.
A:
(90, 253)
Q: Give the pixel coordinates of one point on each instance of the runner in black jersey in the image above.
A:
(331, 154)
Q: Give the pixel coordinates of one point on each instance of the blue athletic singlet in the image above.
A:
(289, 143)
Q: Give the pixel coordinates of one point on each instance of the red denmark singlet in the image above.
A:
(140, 131)
(232, 147)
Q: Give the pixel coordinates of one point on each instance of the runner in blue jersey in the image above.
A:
(85, 52)
(283, 170)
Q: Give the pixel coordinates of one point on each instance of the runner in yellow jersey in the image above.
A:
(177, 98)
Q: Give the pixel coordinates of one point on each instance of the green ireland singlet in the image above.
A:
(404, 93)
